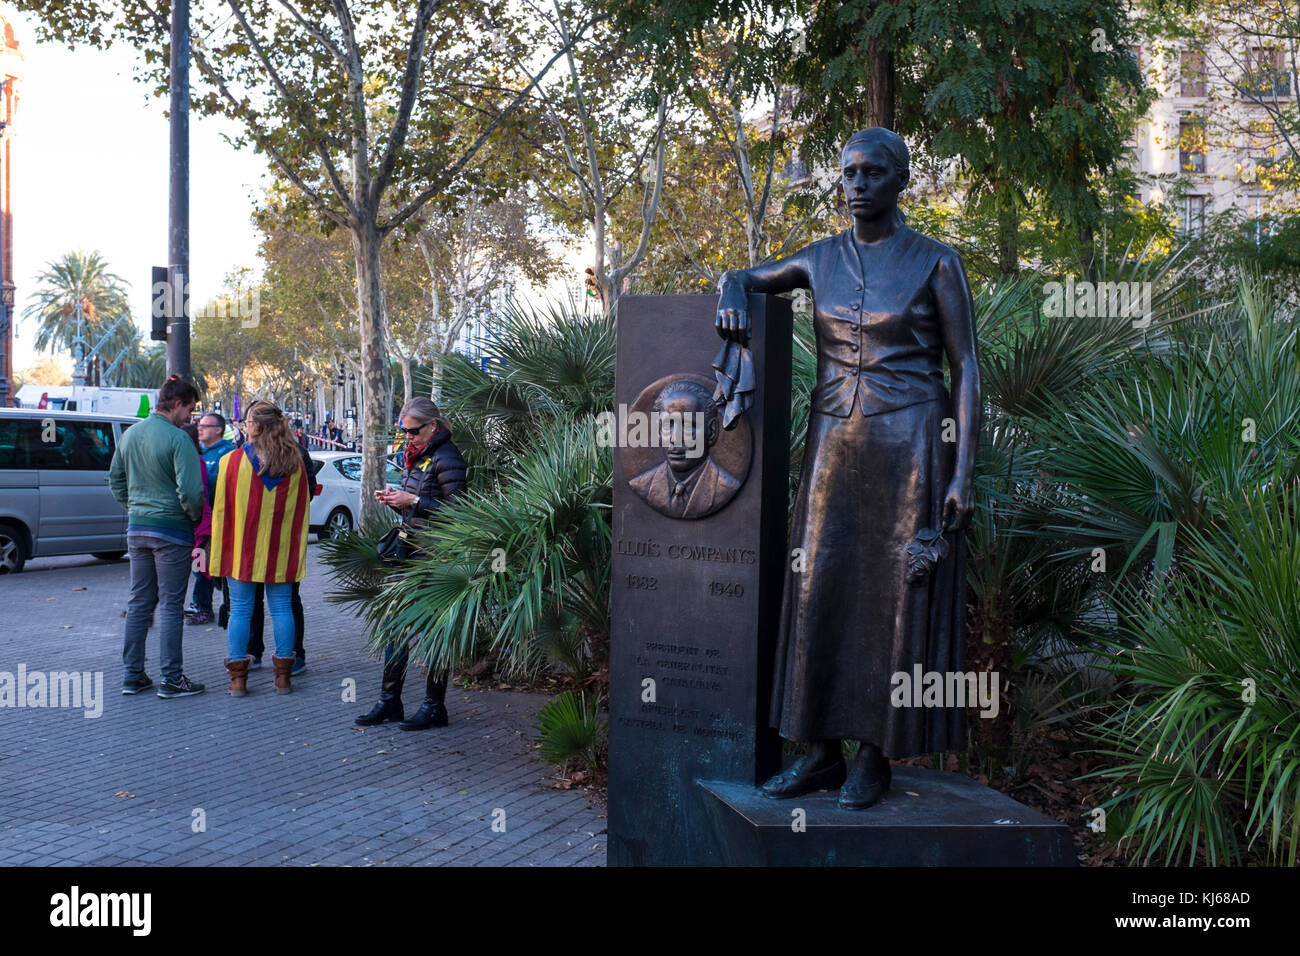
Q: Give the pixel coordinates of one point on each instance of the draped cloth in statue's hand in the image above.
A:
(734, 368)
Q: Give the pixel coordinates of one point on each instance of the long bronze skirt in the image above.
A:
(850, 620)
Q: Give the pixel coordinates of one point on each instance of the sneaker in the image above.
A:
(137, 684)
(201, 617)
(181, 688)
(254, 663)
(299, 664)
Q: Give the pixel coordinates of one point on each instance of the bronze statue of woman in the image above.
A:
(876, 580)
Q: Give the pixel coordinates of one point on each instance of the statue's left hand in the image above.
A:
(958, 505)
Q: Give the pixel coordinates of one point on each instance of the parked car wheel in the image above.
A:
(339, 522)
(108, 555)
(13, 549)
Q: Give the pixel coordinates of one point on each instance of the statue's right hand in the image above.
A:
(733, 322)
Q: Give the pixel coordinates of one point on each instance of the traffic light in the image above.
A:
(593, 286)
(158, 305)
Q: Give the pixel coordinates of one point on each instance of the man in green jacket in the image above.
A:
(155, 477)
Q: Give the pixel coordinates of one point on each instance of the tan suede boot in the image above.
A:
(283, 668)
(238, 677)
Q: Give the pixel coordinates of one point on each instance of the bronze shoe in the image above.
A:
(801, 778)
(866, 784)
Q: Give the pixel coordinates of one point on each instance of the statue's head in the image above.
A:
(875, 167)
(688, 424)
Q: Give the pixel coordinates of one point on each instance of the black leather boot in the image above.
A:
(390, 697)
(433, 712)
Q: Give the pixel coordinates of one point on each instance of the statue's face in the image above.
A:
(871, 182)
(684, 442)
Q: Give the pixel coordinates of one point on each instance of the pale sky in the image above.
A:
(89, 154)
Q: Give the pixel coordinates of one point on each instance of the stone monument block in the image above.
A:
(699, 555)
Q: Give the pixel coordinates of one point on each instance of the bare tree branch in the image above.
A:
(410, 86)
(290, 101)
(454, 170)
(318, 34)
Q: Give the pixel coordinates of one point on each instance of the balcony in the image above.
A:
(1268, 86)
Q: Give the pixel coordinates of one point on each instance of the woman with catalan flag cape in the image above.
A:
(259, 536)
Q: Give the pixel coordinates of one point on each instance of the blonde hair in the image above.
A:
(424, 410)
(269, 433)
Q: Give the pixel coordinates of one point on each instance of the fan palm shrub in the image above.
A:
(1036, 602)
(571, 728)
(1206, 747)
(519, 566)
(1194, 472)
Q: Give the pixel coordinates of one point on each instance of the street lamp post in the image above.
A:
(178, 212)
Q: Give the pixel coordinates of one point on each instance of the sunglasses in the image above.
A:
(415, 431)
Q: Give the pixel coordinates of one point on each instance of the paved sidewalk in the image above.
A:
(266, 779)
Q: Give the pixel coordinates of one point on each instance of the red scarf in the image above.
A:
(412, 454)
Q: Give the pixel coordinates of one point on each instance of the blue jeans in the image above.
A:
(279, 604)
(201, 597)
(159, 572)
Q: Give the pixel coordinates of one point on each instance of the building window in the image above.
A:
(1192, 73)
(1259, 139)
(796, 169)
(1266, 74)
(1194, 216)
(1191, 144)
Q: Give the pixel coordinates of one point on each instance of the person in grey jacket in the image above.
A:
(154, 475)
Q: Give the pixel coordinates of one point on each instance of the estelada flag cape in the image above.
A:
(259, 525)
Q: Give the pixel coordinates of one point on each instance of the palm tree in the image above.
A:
(143, 366)
(80, 279)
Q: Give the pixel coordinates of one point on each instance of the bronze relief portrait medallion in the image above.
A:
(675, 453)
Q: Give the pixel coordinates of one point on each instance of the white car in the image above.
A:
(338, 505)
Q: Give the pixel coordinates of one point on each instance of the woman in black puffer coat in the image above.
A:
(434, 473)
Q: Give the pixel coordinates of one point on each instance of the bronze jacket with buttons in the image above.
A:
(879, 341)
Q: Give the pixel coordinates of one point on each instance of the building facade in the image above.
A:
(1214, 139)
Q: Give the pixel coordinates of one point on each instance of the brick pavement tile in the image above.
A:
(281, 779)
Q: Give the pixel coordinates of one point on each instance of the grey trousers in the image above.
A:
(160, 572)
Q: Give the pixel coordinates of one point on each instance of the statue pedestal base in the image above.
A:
(928, 818)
